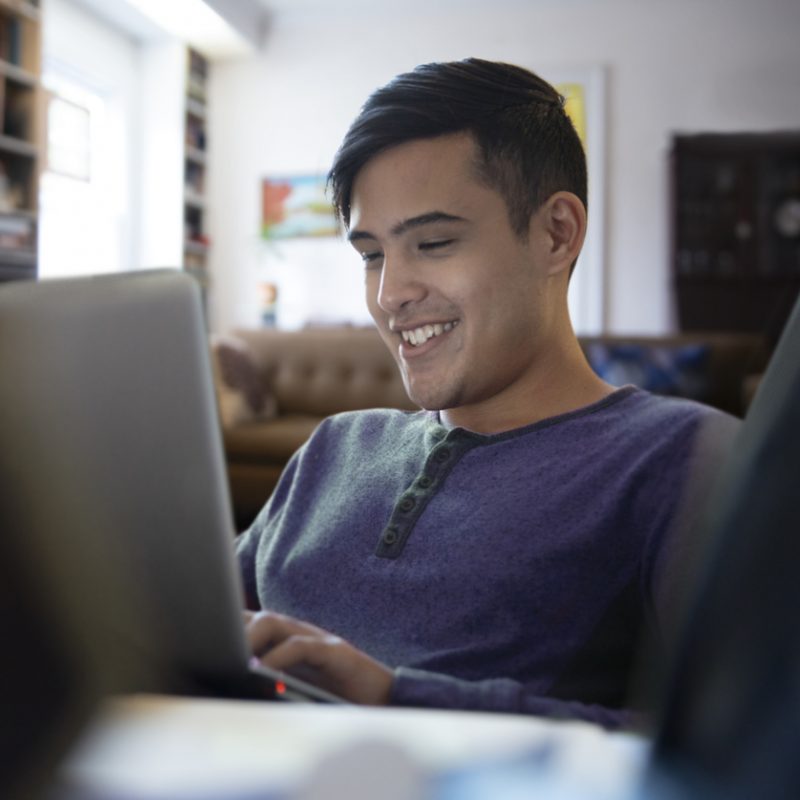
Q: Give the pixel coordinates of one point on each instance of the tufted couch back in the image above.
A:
(321, 371)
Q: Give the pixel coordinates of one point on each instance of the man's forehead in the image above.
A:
(415, 178)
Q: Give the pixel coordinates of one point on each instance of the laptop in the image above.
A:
(112, 466)
(113, 483)
(730, 713)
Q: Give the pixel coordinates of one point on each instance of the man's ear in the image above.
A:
(562, 219)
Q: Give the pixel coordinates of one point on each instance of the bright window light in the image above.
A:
(69, 141)
(79, 191)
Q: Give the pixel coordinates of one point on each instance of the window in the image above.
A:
(69, 138)
(82, 202)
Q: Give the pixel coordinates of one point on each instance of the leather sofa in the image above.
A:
(284, 382)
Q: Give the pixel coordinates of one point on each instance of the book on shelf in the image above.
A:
(17, 232)
(195, 134)
(10, 40)
(194, 178)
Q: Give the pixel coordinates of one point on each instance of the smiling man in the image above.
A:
(475, 312)
(505, 547)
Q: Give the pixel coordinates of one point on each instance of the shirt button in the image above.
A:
(442, 454)
(424, 482)
(390, 537)
(407, 503)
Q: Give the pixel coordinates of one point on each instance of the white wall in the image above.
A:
(163, 95)
(671, 65)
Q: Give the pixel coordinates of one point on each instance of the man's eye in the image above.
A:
(371, 257)
(435, 244)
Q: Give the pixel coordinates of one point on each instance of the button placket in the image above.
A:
(441, 455)
(390, 536)
(441, 459)
(407, 503)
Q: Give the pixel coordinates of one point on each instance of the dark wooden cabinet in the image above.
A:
(736, 230)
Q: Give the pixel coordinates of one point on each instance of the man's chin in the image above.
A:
(429, 399)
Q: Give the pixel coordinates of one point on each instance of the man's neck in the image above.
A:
(563, 382)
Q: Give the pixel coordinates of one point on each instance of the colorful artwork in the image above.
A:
(575, 105)
(296, 207)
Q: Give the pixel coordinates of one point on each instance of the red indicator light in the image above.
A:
(280, 687)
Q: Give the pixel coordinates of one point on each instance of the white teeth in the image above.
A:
(421, 335)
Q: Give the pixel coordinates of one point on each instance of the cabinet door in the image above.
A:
(736, 230)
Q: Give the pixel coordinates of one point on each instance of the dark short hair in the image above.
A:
(528, 147)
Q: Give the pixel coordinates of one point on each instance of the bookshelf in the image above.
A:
(175, 153)
(196, 243)
(20, 136)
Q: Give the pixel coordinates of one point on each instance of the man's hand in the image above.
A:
(318, 657)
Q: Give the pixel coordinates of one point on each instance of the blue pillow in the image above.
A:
(680, 371)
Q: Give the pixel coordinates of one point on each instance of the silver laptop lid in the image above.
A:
(109, 428)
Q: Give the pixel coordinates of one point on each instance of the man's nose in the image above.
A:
(400, 284)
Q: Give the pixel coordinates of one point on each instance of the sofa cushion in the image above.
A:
(242, 394)
(677, 371)
(270, 441)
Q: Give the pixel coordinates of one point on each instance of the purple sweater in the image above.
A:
(508, 572)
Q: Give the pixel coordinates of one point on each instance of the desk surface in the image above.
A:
(163, 747)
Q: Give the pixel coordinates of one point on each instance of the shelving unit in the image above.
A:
(736, 230)
(174, 220)
(21, 136)
(196, 243)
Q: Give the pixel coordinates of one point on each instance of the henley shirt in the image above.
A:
(508, 572)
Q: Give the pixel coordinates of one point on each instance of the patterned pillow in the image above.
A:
(680, 371)
(241, 393)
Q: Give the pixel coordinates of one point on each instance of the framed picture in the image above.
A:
(584, 91)
(296, 207)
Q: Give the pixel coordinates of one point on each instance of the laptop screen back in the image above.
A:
(110, 432)
(732, 715)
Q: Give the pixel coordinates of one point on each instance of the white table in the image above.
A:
(154, 747)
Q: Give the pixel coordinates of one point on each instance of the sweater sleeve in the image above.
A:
(246, 545)
(419, 688)
(671, 570)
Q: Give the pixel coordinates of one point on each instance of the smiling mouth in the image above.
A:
(418, 336)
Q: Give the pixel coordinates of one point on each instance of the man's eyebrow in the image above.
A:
(409, 224)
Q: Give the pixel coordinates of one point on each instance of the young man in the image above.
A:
(502, 548)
